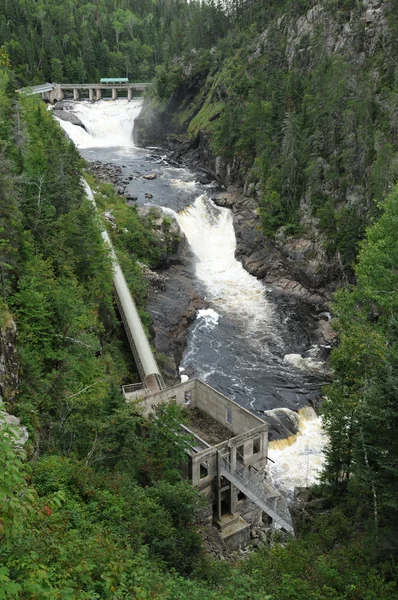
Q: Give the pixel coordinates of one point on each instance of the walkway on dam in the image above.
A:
(54, 92)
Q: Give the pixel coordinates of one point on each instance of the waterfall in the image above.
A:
(229, 288)
(298, 461)
(108, 123)
(238, 344)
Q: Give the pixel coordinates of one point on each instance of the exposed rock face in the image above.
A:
(371, 21)
(173, 309)
(9, 366)
(294, 266)
(63, 112)
(174, 301)
(153, 125)
(9, 377)
(169, 236)
(20, 431)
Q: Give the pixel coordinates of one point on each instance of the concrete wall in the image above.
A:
(210, 401)
(205, 483)
(176, 394)
(250, 448)
(216, 404)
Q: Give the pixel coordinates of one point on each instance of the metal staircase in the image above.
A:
(268, 499)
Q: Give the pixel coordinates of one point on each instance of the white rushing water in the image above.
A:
(233, 294)
(229, 288)
(298, 461)
(108, 123)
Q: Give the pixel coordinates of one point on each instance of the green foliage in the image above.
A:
(361, 412)
(16, 499)
(101, 511)
(313, 129)
(83, 41)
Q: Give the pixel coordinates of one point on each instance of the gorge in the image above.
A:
(254, 216)
(251, 346)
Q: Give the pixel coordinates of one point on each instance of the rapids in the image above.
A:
(246, 344)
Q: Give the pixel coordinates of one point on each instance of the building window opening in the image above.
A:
(187, 398)
(226, 504)
(204, 470)
(256, 445)
(228, 417)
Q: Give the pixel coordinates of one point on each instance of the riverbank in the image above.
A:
(173, 310)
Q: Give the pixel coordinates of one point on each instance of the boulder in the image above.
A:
(70, 117)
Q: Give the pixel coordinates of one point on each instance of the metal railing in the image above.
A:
(100, 86)
(253, 487)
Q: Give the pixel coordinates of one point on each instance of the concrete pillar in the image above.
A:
(58, 93)
(91, 94)
(247, 450)
(264, 444)
(232, 499)
(233, 457)
(114, 94)
(218, 492)
(76, 94)
(129, 94)
(195, 473)
(98, 93)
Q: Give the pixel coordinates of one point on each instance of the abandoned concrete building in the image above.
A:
(227, 462)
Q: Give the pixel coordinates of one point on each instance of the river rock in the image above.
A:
(225, 199)
(70, 117)
(282, 422)
(150, 176)
(157, 281)
(173, 309)
(106, 172)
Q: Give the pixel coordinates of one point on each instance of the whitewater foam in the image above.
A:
(305, 364)
(298, 461)
(107, 123)
(229, 287)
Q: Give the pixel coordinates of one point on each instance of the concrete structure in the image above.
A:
(54, 92)
(230, 473)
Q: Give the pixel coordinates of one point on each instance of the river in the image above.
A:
(247, 344)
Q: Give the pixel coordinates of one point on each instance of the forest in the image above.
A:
(93, 506)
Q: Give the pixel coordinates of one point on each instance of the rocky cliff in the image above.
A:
(9, 366)
(316, 257)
